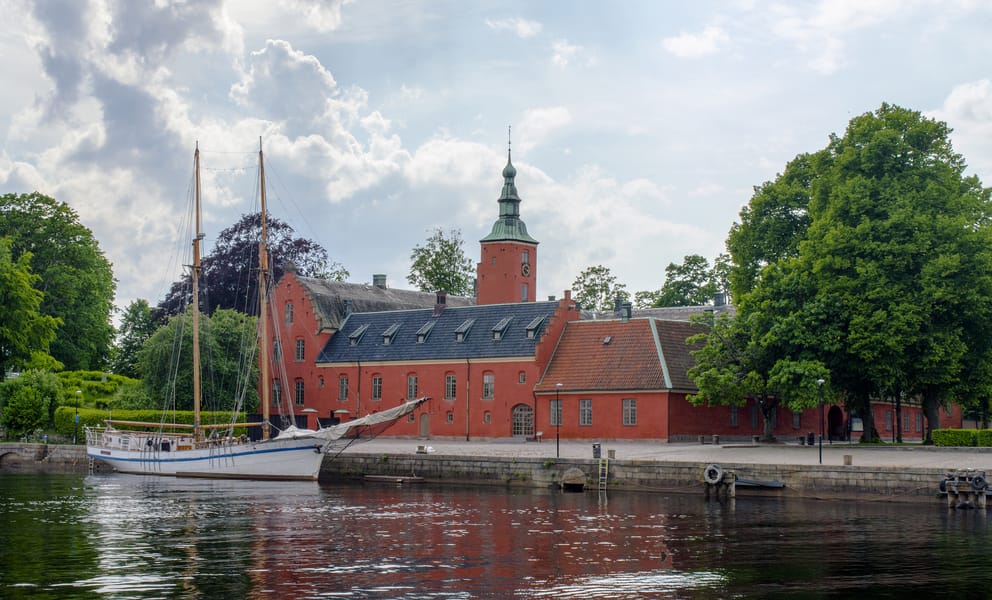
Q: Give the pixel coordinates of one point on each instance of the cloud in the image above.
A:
(690, 45)
(522, 28)
(538, 123)
(967, 109)
(563, 52)
(321, 15)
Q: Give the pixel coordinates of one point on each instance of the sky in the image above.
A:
(639, 128)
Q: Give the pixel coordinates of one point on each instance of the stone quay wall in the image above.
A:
(818, 481)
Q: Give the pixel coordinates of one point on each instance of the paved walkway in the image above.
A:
(785, 454)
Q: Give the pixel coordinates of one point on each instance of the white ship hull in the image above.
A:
(292, 458)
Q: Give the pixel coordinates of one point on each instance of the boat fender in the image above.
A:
(978, 483)
(943, 485)
(712, 474)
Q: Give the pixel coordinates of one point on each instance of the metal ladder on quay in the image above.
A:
(604, 473)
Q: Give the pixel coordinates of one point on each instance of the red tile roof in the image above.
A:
(642, 354)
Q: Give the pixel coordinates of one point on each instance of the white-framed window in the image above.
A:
(554, 413)
(905, 420)
(522, 377)
(411, 386)
(289, 313)
(301, 349)
(733, 416)
(299, 396)
(449, 417)
(525, 257)
(450, 386)
(585, 412)
(919, 422)
(276, 392)
(488, 385)
(276, 351)
(888, 420)
(524, 292)
(797, 420)
(343, 388)
(377, 387)
(487, 418)
(630, 411)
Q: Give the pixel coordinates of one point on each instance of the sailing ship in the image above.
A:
(161, 448)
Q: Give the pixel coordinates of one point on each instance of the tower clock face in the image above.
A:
(525, 269)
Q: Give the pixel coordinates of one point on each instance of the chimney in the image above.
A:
(617, 304)
(625, 311)
(551, 298)
(379, 281)
(442, 302)
(719, 299)
(347, 308)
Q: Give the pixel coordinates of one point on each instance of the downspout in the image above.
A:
(358, 392)
(468, 395)
(533, 432)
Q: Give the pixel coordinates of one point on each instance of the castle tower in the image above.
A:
(507, 271)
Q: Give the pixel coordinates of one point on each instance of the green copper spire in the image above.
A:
(509, 227)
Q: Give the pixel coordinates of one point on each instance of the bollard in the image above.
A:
(716, 440)
(847, 460)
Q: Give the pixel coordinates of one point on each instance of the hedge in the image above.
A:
(955, 437)
(65, 417)
(983, 437)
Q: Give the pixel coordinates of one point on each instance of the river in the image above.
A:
(122, 536)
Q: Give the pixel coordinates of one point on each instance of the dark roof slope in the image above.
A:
(411, 337)
(617, 355)
(330, 298)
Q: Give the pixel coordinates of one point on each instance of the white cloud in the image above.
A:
(522, 28)
(968, 111)
(563, 52)
(538, 123)
(321, 15)
(694, 45)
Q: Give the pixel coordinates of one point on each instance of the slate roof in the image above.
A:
(616, 355)
(440, 341)
(330, 299)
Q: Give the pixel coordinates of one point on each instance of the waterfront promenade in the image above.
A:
(905, 456)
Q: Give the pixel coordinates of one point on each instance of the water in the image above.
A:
(120, 536)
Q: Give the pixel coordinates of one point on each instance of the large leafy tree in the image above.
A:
(229, 274)
(75, 277)
(596, 288)
(688, 284)
(228, 362)
(28, 402)
(24, 331)
(441, 264)
(137, 325)
(872, 257)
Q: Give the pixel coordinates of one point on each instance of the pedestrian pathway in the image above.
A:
(786, 454)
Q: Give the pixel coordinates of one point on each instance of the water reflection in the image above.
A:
(130, 536)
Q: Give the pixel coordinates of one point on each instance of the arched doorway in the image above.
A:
(835, 424)
(523, 421)
(425, 425)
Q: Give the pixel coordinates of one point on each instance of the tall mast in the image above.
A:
(196, 298)
(263, 321)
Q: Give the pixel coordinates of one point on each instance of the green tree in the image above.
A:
(688, 284)
(28, 402)
(596, 288)
(441, 264)
(228, 362)
(75, 277)
(24, 331)
(137, 325)
(885, 279)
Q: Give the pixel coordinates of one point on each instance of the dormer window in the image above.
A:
(533, 327)
(356, 335)
(500, 328)
(389, 334)
(425, 331)
(462, 332)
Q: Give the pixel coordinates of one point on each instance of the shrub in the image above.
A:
(983, 437)
(954, 437)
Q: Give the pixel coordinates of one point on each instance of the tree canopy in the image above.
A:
(229, 362)
(871, 259)
(76, 279)
(441, 264)
(229, 273)
(137, 325)
(24, 331)
(596, 288)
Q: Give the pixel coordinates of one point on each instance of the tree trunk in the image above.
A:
(931, 410)
(768, 408)
(898, 415)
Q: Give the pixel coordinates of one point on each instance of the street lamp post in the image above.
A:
(819, 393)
(557, 420)
(75, 428)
